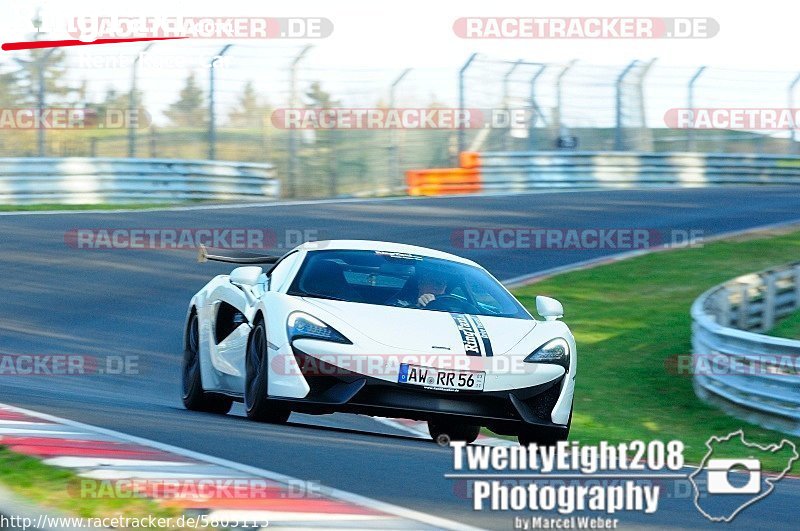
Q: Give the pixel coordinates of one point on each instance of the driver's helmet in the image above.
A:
(432, 275)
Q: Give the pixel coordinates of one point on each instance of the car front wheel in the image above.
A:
(256, 390)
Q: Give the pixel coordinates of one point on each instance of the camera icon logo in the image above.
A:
(720, 472)
(724, 486)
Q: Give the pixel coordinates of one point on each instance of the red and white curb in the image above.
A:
(101, 454)
(419, 429)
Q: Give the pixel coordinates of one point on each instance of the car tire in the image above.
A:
(256, 388)
(544, 436)
(194, 397)
(452, 431)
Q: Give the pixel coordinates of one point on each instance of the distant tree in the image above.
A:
(249, 112)
(21, 87)
(52, 63)
(10, 92)
(318, 98)
(189, 110)
(115, 100)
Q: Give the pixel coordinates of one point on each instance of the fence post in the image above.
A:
(40, 100)
(645, 142)
(394, 149)
(153, 143)
(212, 115)
(640, 85)
(723, 307)
(768, 302)
(797, 286)
(618, 104)
(690, 104)
(133, 105)
(461, 103)
(793, 125)
(537, 111)
(559, 96)
(744, 307)
(506, 97)
(292, 162)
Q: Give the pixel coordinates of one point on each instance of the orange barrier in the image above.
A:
(443, 181)
(469, 159)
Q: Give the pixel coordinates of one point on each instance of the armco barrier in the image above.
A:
(749, 375)
(111, 180)
(520, 171)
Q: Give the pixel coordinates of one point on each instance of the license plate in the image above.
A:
(444, 379)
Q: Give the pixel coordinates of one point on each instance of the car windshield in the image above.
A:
(405, 281)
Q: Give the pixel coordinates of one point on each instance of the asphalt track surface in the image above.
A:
(57, 299)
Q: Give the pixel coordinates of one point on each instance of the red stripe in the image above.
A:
(302, 505)
(14, 416)
(59, 451)
(70, 443)
(51, 446)
(31, 45)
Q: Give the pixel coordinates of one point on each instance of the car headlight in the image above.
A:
(303, 326)
(555, 351)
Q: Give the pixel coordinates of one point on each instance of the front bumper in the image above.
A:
(506, 412)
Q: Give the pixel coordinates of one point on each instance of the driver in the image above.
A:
(430, 283)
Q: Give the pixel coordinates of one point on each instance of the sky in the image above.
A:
(372, 42)
(419, 33)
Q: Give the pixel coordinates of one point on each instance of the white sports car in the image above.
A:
(379, 329)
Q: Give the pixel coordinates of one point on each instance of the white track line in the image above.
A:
(523, 280)
(348, 497)
(307, 202)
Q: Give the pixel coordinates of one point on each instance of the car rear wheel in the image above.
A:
(194, 397)
(256, 388)
(444, 432)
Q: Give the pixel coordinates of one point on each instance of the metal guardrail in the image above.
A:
(536, 169)
(520, 171)
(116, 180)
(749, 375)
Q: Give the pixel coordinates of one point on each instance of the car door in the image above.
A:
(230, 330)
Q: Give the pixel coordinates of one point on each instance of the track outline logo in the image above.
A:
(769, 481)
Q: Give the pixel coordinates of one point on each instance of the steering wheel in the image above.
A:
(446, 302)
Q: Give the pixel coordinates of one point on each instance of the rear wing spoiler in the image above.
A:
(235, 257)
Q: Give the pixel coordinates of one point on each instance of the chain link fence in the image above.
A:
(623, 107)
(216, 101)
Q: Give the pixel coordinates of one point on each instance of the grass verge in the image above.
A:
(629, 318)
(60, 489)
(788, 327)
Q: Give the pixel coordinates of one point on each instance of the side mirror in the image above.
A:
(246, 276)
(549, 308)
